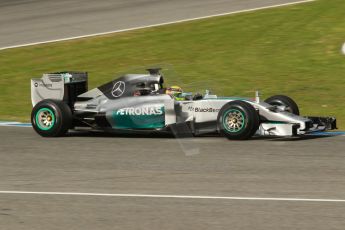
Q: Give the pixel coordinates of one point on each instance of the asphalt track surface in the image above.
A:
(311, 168)
(31, 21)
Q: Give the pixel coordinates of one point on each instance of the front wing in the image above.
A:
(314, 124)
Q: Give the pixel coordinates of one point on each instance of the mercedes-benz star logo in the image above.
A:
(118, 89)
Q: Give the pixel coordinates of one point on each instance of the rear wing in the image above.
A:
(65, 86)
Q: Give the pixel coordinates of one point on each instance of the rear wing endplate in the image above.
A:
(64, 86)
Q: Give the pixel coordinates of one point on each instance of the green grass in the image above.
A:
(292, 50)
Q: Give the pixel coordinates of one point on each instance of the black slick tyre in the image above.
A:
(238, 120)
(51, 118)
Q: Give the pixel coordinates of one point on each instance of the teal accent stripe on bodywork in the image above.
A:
(147, 121)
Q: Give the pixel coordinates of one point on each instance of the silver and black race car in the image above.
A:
(138, 102)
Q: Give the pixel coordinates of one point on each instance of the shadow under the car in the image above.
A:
(117, 135)
(299, 138)
(166, 135)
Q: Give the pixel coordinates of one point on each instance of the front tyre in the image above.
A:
(51, 118)
(238, 120)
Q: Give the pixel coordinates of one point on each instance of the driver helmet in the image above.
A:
(174, 91)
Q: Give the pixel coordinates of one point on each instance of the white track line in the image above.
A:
(155, 25)
(174, 196)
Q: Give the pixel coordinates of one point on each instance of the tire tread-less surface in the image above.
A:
(51, 118)
(238, 120)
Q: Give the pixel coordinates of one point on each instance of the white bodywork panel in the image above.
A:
(47, 87)
(271, 129)
(201, 110)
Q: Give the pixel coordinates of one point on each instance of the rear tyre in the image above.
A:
(51, 118)
(285, 102)
(238, 120)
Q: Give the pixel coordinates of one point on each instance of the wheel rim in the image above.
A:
(234, 120)
(45, 119)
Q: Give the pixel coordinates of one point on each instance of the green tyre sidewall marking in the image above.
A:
(226, 126)
(37, 122)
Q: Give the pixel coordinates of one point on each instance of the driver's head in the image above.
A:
(174, 90)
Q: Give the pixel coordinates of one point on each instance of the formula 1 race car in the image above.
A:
(139, 102)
